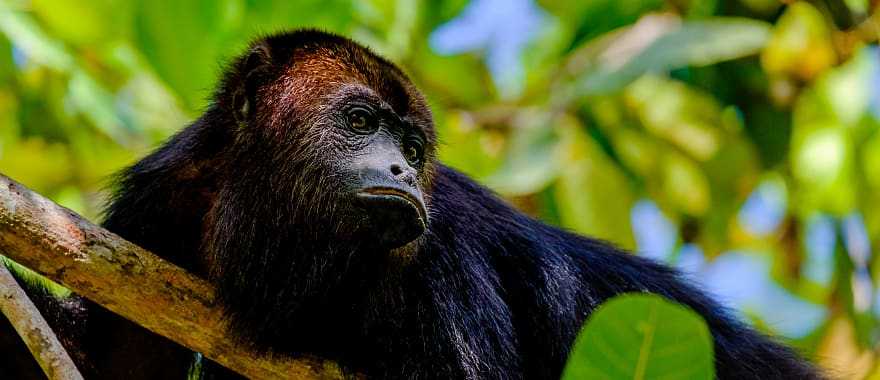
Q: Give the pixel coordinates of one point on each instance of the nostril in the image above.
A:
(410, 180)
(396, 169)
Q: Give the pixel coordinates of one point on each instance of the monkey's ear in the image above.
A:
(253, 71)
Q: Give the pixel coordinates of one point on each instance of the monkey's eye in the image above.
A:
(412, 151)
(361, 120)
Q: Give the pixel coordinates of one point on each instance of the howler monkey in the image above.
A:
(310, 194)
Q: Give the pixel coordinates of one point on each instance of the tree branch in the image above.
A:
(34, 331)
(133, 283)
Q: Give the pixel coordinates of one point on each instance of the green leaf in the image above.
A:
(467, 146)
(532, 160)
(847, 89)
(34, 279)
(87, 23)
(823, 163)
(592, 18)
(97, 105)
(695, 43)
(187, 41)
(27, 35)
(800, 44)
(684, 185)
(594, 195)
(185, 49)
(678, 113)
(642, 336)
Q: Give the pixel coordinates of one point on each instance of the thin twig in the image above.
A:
(34, 331)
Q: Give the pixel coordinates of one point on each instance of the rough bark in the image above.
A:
(133, 283)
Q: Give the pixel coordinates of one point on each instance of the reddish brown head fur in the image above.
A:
(290, 76)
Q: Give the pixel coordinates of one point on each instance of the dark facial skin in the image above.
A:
(387, 152)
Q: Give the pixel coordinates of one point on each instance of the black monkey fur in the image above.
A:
(251, 196)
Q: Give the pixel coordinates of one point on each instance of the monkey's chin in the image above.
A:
(394, 220)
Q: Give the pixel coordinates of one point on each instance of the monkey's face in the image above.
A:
(380, 158)
(327, 155)
(349, 137)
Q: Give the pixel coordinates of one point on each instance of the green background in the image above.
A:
(738, 140)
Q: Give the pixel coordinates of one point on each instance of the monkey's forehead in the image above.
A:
(318, 72)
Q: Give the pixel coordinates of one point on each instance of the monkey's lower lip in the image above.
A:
(383, 192)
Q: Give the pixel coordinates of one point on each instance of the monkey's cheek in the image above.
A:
(393, 221)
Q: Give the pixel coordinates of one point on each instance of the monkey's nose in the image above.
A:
(396, 170)
(404, 173)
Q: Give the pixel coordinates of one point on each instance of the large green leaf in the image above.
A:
(694, 43)
(642, 336)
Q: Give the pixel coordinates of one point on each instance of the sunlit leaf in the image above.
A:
(820, 154)
(97, 104)
(641, 336)
(857, 6)
(85, 22)
(801, 43)
(27, 35)
(684, 185)
(847, 89)
(682, 115)
(532, 160)
(639, 152)
(763, 7)
(184, 50)
(695, 43)
(31, 277)
(871, 161)
(822, 162)
(468, 147)
(42, 166)
(461, 78)
(273, 16)
(592, 18)
(701, 8)
(594, 197)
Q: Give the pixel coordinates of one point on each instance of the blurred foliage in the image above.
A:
(736, 139)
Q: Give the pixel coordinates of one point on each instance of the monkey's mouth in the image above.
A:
(406, 196)
(397, 216)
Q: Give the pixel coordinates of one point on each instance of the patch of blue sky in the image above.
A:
(874, 51)
(691, 260)
(654, 233)
(764, 209)
(820, 239)
(856, 240)
(500, 30)
(742, 280)
(862, 289)
(19, 57)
